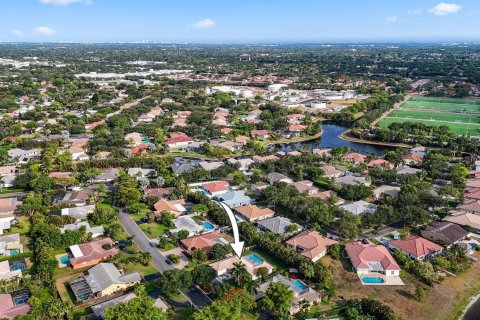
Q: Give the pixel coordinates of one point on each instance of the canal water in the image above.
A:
(331, 138)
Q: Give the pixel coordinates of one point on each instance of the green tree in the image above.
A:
(278, 299)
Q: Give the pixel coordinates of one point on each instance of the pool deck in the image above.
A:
(389, 280)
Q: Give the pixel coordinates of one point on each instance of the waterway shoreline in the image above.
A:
(346, 136)
(471, 302)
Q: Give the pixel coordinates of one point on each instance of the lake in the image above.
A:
(331, 138)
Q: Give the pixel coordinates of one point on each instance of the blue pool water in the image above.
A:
(65, 260)
(21, 300)
(299, 284)
(20, 267)
(14, 252)
(208, 225)
(255, 259)
(146, 141)
(473, 245)
(372, 280)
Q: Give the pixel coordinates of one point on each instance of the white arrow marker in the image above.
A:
(237, 245)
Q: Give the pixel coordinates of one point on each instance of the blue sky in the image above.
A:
(236, 21)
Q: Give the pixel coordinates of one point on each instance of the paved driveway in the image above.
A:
(143, 242)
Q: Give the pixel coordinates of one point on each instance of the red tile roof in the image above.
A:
(216, 186)
(361, 254)
(416, 246)
(312, 242)
(94, 251)
(203, 241)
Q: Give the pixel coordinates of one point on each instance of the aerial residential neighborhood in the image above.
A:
(239, 160)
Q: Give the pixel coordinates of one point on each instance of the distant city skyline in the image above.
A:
(251, 21)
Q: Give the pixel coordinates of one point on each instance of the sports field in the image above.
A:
(462, 116)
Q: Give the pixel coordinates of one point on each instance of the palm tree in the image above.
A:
(2, 183)
(239, 273)
(251, 286)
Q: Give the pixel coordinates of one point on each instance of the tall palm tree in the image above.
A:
(239, 273)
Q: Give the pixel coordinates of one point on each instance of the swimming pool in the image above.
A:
(208, 225)
(299, 284)
(65, 260)
(254, 259)
(14, 252)
(20, 267)
(20, 300)
(473, 245)
(372, 280)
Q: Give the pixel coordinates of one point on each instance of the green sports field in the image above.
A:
(462, 116)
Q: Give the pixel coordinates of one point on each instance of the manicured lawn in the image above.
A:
(153, 230)
(10, 190)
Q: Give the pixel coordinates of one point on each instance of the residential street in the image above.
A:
(143, 242)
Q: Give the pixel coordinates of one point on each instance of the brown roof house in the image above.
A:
(311, 244)
(91, 253)
(254, 213)
(175, 207)
(444, 232)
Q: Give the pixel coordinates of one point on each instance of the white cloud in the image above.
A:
(65, 2)
(204, 24)
(44, 31)
(391, 19)
(415, 12)
(443, 9)
(18, 33)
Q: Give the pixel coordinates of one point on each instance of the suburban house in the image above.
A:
(243, 164)
(252, 264)
(210, 165)
(188, 224)
(8, 205)
(91, 253)
(204, 241)
(77, 198)
(96, 232)
(352, 180)
(359, 207)
(419, 151)
(386, 190)
(411, 159)
(6, 222)
(11, 308)
(215, 188)
(275, 177)
(331, 171)
(10, 245)
(304, 295)
(401, 169)
(157, 192)
(8, 174)
(178, 140)
(6, 272)
(277, 225)
(79, 213)
(263, 159)
(259, 134)
(354, 158)
(140, 172)
(310, 244)
(416, 247)
(102, 280)
(175, 207)
(22, 155)
(305, 186)
(134, 139)
(376, 163)
(254, 213)
(108, 175)
(444, 232)
(372, 259)
(234, 199)
(465, 219)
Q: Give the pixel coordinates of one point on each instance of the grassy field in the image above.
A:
(454, 113)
